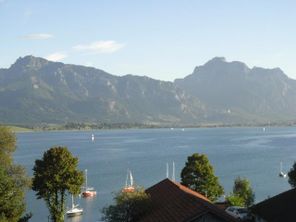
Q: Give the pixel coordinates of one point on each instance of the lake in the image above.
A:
(246, 152)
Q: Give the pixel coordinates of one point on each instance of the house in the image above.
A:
(173, 202)
(280, 208)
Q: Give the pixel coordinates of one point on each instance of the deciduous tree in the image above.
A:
(242, 193)
(292, 176)
(13, 180)
(198, 175)
(128, 207)
(7, 146)
(55, 175)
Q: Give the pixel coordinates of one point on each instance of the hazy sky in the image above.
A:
(162, 39)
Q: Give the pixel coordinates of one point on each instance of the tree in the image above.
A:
(129, 207)
(198, 175)
(13, 179)
(243, 194)
(292, 175)
(12, 203)
(55, 175)
(234, 200)
(7, 146)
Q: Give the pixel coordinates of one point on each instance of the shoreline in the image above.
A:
(19, 129)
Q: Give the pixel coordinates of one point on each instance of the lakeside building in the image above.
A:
(173, 202)
(280, 208)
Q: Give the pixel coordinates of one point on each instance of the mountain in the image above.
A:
(240, 94)
(34, 90)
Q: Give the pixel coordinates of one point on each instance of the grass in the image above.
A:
(19, 129)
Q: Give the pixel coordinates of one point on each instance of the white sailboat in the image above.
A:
(129, 183)
(173, 174)
(92, 137)
(88, 191)
(74, 210)
(282, 174)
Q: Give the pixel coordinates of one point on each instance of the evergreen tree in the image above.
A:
(55, 175)
(198, 175)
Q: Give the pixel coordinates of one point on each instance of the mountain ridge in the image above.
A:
(34, 90)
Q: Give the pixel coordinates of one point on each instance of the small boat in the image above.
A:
(129, 183)
(92, 137)
(88, 191)
(282, 174)
(74, 210)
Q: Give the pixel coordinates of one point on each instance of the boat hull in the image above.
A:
(71, 213)
(89, 193)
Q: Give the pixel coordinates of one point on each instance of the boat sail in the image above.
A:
(92, 137)
(74, 210)
(129, 183)
(88, 191)
(282, 174)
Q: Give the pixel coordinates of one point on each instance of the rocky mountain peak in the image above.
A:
(30, 61)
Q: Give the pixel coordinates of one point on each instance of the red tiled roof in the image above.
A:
(281, 207)
(173, 202)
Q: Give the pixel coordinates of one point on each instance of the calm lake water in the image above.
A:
(246, 152)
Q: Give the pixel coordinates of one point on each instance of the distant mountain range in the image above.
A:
(34, 90)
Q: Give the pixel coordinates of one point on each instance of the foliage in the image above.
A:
(7, 146)
(129, 207)
(12, 203)
(54, 175)
(198, 175)
(26, 218)
(234, 200)
(292, 176)
(13, 179)
(243, 189)
(243, 194)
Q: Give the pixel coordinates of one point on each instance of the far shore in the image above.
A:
(122, 126)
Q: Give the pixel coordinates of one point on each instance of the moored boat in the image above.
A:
(74, 210)
(88, 191)
(129, 183)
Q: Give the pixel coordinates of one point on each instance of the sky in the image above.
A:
(162, 39)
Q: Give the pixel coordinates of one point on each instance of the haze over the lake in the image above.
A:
(161, 39)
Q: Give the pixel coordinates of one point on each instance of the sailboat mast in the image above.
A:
(281, 166)
(85, 179)
(72, 201)
(131, 179)
(167, 170)
(126, 181)
(173, 176)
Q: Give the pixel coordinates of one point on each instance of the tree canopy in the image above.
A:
(243, 194)
(7, 146)
(292, 176)
(128, 207)
(55, 175)
(13, 180)
(198, 175)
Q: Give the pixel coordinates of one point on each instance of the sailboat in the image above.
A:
(282, 174)
(129, 183)
(88, 191)
(92, 137)
(74, 210)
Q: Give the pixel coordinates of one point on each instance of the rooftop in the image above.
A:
(278, 208)
(173, 202)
